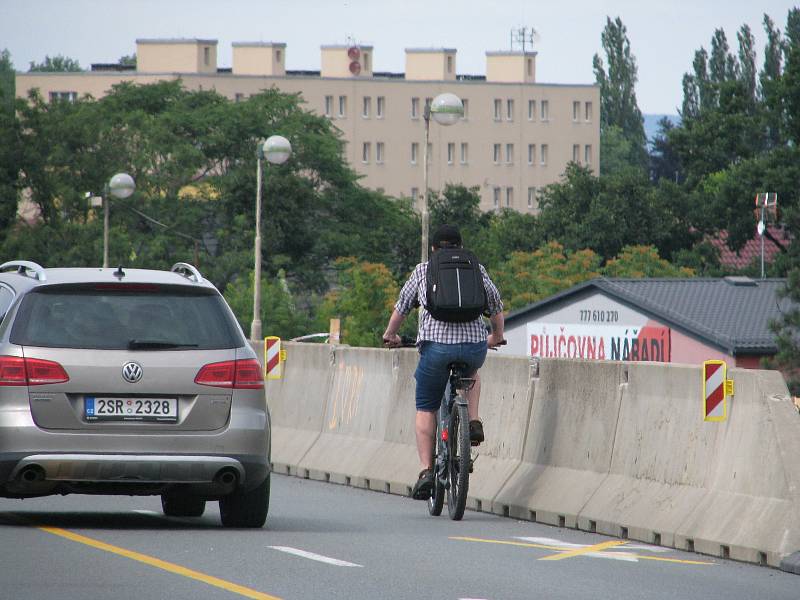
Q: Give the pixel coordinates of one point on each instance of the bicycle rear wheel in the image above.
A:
(458, 463)
(436, 500)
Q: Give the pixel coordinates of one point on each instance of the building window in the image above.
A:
(531, 110)
(380, 105)
(509, 154)
(543, 155)
(496, 153)
(367, 107)
(379, 150)
(415, 108)
(531, 153)
(278, 56)
(451, 153)
(531, 197)
(238, 97)
(509, 197)
(496, 197)
(576, 153)
(576, 111)
(65, 96)
(328, 106)
(342, 107)
(464, 153)
(587, 116)
(365, 152)
(465, 102)
(414, 152)
(509, 109)
(414, 194)
(449, 64)
(206, 55)
(366, 61)
(529, 67)
(587, 154)
(498, 109)
(545, 111)
(428, 101)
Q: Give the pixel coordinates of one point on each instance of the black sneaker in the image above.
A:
(424, 486)
(475, 432)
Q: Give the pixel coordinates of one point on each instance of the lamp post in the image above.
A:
(277, 150)
(446, 109)
(120, 186)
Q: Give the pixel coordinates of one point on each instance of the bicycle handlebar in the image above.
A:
(407, 341)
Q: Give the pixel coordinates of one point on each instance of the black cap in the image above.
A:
(446, 235)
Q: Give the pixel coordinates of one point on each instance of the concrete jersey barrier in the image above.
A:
(617, 448)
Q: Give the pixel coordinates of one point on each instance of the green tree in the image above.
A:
(7, 82)
(363, 301)
(528, 277)
(610, 212)
(280, 314)
(128, 60)
(643, 261)
(55, 64)
(618, 106)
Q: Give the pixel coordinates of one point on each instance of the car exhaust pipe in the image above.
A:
(227, 478)
(32, 474)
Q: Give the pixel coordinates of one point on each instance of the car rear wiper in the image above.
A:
(156, 345)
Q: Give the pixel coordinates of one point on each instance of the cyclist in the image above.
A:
(440, 343)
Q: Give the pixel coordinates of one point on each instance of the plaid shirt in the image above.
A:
(413, 295)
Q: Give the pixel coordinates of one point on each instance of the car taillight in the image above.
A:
(15, 370)
(236, 374)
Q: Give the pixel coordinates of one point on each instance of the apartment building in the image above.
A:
(516, 136)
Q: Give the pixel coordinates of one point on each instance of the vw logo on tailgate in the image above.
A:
(132, 372)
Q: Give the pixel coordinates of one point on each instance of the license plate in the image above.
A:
(163, 410)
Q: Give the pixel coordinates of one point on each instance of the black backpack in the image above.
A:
(455, 291)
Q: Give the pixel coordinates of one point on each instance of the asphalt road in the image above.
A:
(328, 541)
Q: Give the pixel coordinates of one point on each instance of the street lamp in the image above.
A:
(446, 109)
(120, 186)
(277, 150)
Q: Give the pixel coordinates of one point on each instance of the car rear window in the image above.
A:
(112, 317)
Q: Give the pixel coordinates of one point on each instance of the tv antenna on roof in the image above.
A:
(523, 38)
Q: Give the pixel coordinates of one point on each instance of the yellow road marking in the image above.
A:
(508, 543)
(586, 550)
(589, 549)
(160, 564)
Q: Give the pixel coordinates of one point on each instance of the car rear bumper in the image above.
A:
(135, 474)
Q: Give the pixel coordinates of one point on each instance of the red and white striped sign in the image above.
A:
(272, 357)
(714, 390)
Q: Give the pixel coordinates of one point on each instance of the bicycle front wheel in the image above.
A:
(436, 500)
(459, 457)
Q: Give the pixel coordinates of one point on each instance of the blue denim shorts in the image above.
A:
(431, 374)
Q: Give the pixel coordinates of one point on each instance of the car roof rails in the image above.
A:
(23, 266)
(188, 271)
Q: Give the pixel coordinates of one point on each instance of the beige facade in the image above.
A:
(259, 58)
(516, 135)
(177, 56)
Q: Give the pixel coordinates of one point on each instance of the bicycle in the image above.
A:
(452, 451)
(452, 459)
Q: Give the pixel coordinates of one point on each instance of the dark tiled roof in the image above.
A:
(730, 313)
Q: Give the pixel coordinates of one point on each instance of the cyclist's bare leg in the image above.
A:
(425, 429)
(473, 397)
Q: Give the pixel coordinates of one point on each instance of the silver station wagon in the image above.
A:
(134, 382)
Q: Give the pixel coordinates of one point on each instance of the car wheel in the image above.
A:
(246, 509)
(182, 506)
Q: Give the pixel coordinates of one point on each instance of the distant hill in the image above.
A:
(651, 124)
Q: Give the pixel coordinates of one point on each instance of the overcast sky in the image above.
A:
(663, 35)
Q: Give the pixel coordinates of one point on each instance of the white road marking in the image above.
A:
(610, 554)
(317, 557)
